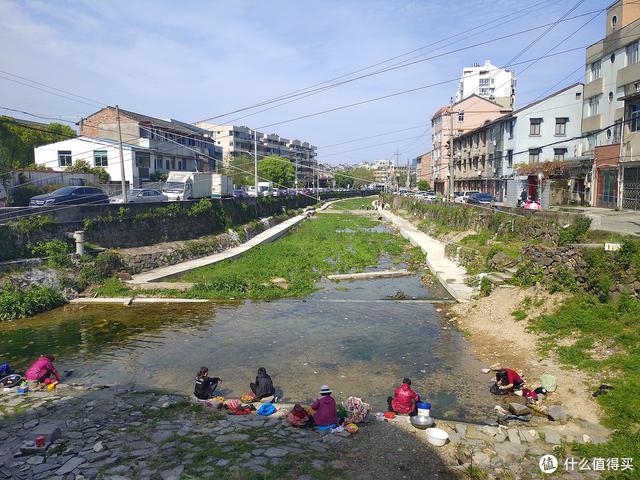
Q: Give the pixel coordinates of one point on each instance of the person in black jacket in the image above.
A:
(205, 385)
(264, 386)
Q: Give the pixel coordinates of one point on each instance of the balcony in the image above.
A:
(627, 75)
(591, 124)
(593, 88)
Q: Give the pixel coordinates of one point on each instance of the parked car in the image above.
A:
(70, 196)
(141, 195)
(463, 198)
(240, 193)
(481, 199)
(430, 195)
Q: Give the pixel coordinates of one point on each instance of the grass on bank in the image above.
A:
(330, 243)
(353, 203)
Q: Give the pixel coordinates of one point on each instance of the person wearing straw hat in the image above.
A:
(326, 412)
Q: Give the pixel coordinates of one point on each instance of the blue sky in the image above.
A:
(192, 60)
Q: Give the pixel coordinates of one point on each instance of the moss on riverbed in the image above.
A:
(330, 243)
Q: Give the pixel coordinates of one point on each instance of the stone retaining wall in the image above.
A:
(142, 259)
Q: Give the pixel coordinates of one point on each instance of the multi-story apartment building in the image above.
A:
(487, 157)
(237, 141)
(487, 81)
(424, 167)
(455, 120)
(151, 145)
(610, 101)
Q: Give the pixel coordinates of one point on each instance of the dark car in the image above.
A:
(70, 196)
(481, 199)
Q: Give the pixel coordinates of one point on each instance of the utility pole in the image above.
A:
(123, 182)
(408, 185)
(255, 162)
(395, 171)
(450, 182)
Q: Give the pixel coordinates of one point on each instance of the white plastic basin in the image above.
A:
(436, 436)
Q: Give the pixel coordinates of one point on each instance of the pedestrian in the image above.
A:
(326, 411)
(42, 370)
(263, 387)
(405, 399)
(205, 385)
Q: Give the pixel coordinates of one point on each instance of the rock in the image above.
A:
(462, 454)
(513, 435)
(500, 437)
(510, 452)
(232, 437)
(97, 456)
(553, 438)
(223, 462)
(558, 413)
(455, 438)
(586, 438)
(489, 430)
(481, 459)
(98, 447)
(30, 424)
(519, 409)
(275, 452)
(50, 432)
(318, 464)
(74, 435)
(173, 474)
(70, 465)
(44, 467)
(529, 436)
(35, 460)
(473, 433)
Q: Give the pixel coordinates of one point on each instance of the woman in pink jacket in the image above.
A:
(405, 399)
(42, 370)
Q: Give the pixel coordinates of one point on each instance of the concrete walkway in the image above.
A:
(448, 273)
(269, 235)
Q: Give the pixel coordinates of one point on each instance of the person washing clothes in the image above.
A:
(263, 387)
(205, 385)
(507, 380)
(42, 370)
(405, 399)
(326, 411)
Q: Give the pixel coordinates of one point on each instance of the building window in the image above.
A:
(614, 21)
(559, 153)
(64, 158)
(534, 155)
(534, 126)
(100, 158)
(634, 112)
(484, 82)
(510, 158)
(561, 126)
(461, 116)
(593, 106)
(594, 71)
(509, 128)
(632, 53)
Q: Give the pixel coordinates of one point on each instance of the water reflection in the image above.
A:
(343, 335)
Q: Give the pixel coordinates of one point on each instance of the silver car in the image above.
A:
(141, 195)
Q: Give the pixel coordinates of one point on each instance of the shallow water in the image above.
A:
(350, 335)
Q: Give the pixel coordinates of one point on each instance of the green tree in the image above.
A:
(423, 185)
(277, 169)
(241, 169)
(81, 166)
(17, 141)
(353, 177)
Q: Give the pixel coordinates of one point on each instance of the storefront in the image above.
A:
(631, 189)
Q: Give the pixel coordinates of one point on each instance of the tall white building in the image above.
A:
(488, 81)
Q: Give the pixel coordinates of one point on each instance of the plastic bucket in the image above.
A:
(424, 408)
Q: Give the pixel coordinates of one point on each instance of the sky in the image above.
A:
(193, 60)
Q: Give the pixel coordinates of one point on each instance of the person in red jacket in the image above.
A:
(508, 380)
(405, 399)
(42, 370)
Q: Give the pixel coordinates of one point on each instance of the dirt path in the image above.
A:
(497, 337)
(381, 451)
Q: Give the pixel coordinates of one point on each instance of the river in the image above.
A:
(350, 335)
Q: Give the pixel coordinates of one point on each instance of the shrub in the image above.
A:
(562, 280)
(485, 287)
(202, 208)
(159, 177)
(19, 303)
(629, 254)
(528, 274)
(574, 232)
(107, 263)
(56, 250)
(21, 194)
